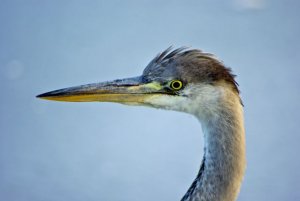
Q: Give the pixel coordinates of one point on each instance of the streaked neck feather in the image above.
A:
(223, 165)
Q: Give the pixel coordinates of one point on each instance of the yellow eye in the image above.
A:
(176, 85)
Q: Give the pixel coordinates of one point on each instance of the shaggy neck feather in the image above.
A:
(222, 168)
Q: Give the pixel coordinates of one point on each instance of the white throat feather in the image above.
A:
(220, 112)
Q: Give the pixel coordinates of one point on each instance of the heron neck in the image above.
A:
(223, 165)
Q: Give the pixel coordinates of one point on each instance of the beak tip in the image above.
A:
(43, 96)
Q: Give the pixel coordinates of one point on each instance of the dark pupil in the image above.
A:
(176, 85)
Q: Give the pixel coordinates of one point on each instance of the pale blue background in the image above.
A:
(52, 151)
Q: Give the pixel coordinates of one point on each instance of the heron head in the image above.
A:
(177, 80)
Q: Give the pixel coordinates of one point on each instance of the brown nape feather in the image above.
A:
(211, 94)
(191, 66)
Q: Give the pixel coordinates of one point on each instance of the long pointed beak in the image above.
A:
(130, 90)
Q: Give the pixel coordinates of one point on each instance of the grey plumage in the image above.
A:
(204, 88)
(190, 66)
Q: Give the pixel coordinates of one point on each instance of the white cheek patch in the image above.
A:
(196, 99)
(167, 102)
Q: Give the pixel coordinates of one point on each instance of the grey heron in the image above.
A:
(194, 82)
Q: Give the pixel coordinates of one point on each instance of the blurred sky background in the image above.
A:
(54, 151)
